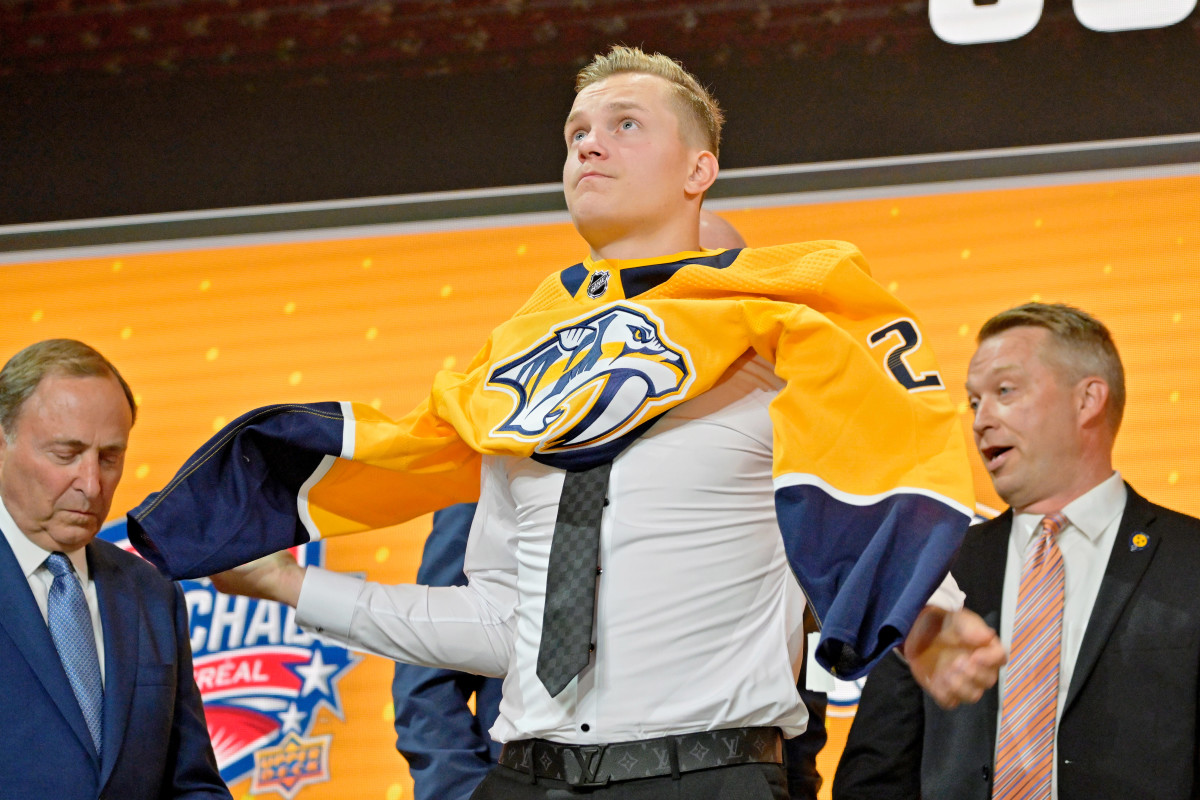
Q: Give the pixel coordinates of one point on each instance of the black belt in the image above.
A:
(590, 765)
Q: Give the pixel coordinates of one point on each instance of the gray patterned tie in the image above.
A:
(571, 579)
(70, 624)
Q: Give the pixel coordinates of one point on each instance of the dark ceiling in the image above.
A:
(119, 107)
(316, 40)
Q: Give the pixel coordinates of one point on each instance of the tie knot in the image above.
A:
(58, 564)
(1052, 524)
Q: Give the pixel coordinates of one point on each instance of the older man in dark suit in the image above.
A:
(99, 699)
(1092, 586)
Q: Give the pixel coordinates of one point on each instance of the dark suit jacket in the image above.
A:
(155, 741)
(1129, 724)
(446, 744)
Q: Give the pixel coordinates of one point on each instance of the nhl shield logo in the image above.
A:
(597, 284)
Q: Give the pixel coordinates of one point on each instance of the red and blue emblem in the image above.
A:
(262, 679)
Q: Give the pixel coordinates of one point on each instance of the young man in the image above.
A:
(99, 699)
(638, 435)
(1116, 661)
(445, 740)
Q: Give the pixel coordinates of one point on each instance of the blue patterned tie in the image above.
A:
(70, 624)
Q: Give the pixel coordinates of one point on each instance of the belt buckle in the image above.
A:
(581, 768)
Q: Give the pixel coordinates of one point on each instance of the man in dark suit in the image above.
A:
(1047, 388)
(99, 699)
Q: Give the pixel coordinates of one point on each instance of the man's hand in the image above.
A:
(273, 577)
(954, 655)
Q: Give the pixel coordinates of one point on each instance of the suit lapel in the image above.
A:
(976, 570)
(23, 622)
(119, 615)
(1125, 569)
(982, 579)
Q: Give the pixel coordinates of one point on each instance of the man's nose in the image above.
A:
(592, 145)
(87, 476)
(983, 417)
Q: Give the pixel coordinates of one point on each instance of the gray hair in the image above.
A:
(23, 373)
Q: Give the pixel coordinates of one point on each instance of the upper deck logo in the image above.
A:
(592, 379)
(263, 682)
(290, 766)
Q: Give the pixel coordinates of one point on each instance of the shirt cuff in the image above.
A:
(327, 601)
(947, 596)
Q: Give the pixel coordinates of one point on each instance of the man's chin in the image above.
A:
(72, 536)
(1005, 489)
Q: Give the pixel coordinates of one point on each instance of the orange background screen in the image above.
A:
(204, 335)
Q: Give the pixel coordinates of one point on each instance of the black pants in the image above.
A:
(738, 782)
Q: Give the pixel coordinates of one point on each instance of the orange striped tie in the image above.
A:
(1025, 756)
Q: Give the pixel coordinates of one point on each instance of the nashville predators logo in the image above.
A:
(592, 380)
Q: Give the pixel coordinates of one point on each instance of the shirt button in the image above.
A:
(592, 647)
(599, 570)
(585, 727)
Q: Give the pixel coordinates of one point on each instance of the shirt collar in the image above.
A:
(1091, 513)
(30, 555)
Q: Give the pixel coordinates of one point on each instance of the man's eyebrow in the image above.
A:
(1001, 370)
(79, 444)
(615, 105)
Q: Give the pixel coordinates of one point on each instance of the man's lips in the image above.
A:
(994, 456)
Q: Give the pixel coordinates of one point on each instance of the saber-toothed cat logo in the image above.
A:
(592, 379)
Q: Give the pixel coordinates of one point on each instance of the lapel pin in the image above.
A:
(1138, 542)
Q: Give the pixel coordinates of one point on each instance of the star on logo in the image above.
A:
(292, 719)
(316, 675)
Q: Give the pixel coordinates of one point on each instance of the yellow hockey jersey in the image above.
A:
(872, 487)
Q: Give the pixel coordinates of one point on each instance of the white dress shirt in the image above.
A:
(1086, 543)
(32, 560)
(699, 620)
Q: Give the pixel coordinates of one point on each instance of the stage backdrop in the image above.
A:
(204, 335)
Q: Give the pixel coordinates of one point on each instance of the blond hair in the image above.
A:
(1082, 346)
(698, 110)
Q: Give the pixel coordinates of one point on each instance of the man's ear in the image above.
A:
(1091, 395)
(703, 174)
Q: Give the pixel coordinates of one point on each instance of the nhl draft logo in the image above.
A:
(597, 284)
(592, 379)
(263, 682)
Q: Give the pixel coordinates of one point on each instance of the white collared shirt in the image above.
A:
(699, 618)
(32, 559)
(1086, 543)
